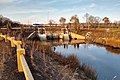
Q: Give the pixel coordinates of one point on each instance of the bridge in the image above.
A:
(51, 30)
(59, 35)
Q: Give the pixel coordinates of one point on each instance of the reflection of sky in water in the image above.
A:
(106, 64)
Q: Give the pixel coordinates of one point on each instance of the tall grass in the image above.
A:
(47, 63)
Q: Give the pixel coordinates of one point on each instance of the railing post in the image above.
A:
(12, 43)
(18, 43)
(6, 38)
(1, 37)
(20, 52)
(22, 64)
(0, 34)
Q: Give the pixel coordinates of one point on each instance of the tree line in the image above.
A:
(6, 22)
(90, 22)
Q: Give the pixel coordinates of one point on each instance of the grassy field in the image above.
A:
(111, 29)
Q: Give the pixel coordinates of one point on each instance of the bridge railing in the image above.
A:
(22, 64)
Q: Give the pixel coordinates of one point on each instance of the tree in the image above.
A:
(94, 21)
(62, 20)
(51, 22)
(106, 21)
(15, 24)
(74, 19)
(98, 20)
(22, 29)
(1, 18)
(8, 26)
(86, 16)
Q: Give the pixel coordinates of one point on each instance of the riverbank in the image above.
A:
(104, 37)
(47, 65)
(50, 65)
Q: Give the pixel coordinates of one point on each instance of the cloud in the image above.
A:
(118, 4)
(6, 1)
(73, 2)
(70, 10)
(32, 19)
(92, 5)
(47, 2)
(17, 10)
(51, 2)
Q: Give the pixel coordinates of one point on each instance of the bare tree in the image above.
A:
(75, 20)
(92, 20)
(51, 22)
(62, 21)
(86, 17)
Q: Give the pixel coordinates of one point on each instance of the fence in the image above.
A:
(22, 64)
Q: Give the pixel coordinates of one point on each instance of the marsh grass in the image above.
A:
(89, 71)
(48, 63)
(74, 64)
(45, 63)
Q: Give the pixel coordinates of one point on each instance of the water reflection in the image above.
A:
(99, 57)
(66, 46)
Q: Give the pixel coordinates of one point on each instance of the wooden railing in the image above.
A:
(22, 64)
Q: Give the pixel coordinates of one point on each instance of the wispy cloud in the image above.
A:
(51, 1)
(32, 19)
(47, 2)
(118, 4)
(57, 8)
(92, 5)
(17, 10)
(7, 1)
(73, 2)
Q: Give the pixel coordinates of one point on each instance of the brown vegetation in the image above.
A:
(8, 63)
(44, 60)
(45, 64)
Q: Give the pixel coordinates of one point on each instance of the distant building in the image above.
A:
(38, 25)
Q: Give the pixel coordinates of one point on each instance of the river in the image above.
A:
(106, 63)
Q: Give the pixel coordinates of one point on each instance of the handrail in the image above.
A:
(26, 68)
(22, 64)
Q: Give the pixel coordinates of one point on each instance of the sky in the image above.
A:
(41, 11)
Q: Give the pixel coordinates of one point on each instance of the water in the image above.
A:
(106, 63)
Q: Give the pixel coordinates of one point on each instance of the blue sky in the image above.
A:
(40, 11)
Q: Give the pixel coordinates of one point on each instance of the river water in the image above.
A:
(106, 63)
